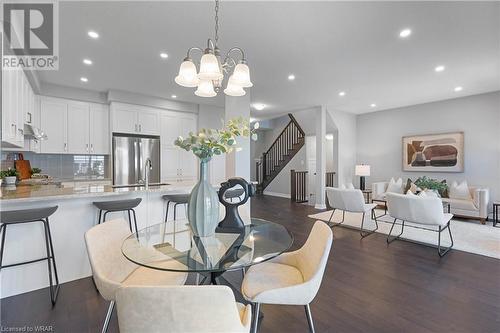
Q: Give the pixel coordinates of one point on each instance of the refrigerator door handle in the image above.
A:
(140, 176)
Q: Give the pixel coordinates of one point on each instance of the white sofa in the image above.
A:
(476, 207)
(426, 211)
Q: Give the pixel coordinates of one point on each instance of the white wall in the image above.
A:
(379, 136)
(345, 141)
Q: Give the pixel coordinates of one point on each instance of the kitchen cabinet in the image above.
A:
(177, 164)
(134, 119)
(74, 127)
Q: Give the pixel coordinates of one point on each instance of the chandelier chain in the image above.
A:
(216, 22)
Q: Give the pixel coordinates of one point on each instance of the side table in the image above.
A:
(496, 208)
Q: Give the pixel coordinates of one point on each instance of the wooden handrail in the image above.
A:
(292, 118)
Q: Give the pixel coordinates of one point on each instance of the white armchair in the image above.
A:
(111, 269)
(350, 200)
(292, 278)
(427, 211)
(181, 309)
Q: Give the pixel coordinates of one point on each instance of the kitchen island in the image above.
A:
(75, 215)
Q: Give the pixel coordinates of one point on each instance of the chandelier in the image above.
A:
(210, 77)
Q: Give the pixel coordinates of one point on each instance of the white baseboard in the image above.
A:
(320, 206)
(276, 194)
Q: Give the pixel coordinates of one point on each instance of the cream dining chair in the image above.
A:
(292, 278)
(111, 270)
(350, 200)
(181, 309)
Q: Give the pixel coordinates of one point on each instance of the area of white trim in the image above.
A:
(320, 206)
(276, 194)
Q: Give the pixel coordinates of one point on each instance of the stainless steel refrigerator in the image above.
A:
(130, 153)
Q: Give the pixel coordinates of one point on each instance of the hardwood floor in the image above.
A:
(368, 287)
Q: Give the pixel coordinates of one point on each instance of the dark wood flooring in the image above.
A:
(368, 287)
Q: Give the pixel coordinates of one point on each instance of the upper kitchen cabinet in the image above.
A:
(74, 127)
(17, 107)
(134, 119)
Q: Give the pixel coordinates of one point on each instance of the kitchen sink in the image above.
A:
(139, 185)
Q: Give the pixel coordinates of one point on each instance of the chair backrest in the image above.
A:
(349, 200)
(109, 266)
(313, 256)
(180, 309)
(412, 208)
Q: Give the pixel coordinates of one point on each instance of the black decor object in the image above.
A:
(232, 222)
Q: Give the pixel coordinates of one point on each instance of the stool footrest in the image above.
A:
(26, 262)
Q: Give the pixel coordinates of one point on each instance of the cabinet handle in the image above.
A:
(136, 128)
(65, 146)
(140, 128)
(91, 147)
(29, 121)
(87, 147)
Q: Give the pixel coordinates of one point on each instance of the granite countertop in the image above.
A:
(30, 193)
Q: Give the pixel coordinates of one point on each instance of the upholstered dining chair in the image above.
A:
(350, 200)
(181, 309)
(292, 278)
(111, 270)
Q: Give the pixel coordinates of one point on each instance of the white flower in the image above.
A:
(255, 136)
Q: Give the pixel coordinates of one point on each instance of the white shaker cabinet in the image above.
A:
(99, 129)
(78, 128)
(177, 164)
(134, 119)
(53, 121)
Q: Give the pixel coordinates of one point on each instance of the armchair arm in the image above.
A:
(378, 189)
(481, 197)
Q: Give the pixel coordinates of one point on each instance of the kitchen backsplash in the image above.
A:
(68, 167)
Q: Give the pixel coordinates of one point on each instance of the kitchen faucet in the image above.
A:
(148, 166)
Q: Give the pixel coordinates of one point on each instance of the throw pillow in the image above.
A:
(350, 186)
(410, 186)
(430, 193)
(460, 191)
(395, 186)
(444, 192)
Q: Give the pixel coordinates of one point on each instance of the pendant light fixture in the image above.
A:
(210, 78)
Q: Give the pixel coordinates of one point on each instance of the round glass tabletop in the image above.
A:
(171, 246)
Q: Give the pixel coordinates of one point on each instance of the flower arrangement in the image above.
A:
(210, 142)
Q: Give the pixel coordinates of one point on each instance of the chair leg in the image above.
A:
(135, 220)
(364, 234)
(104, 218)
(256, 317)
(389, 239)
(51, 261)
(175, 211)
(100, 213)
(166, 214)
(3, 230)
(442, 253)
(129, 221)
(333, 224)
(309, 318)
(108, 316)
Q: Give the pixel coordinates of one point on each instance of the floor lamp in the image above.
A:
(362, 170)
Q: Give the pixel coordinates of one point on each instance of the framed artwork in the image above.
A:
(434, 152)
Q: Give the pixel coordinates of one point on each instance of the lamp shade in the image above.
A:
(241, 76)
(205, 89)
(209, 68)
(362, 170)
(233, 89)
(187, 75)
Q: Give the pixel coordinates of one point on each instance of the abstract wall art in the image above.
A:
(434, 152)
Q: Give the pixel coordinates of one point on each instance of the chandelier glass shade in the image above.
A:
(212, 69)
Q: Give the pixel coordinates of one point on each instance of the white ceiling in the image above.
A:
(329, 46)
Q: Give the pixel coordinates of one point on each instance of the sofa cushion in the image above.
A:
(460, 191)
(461, 204)
(395, 186)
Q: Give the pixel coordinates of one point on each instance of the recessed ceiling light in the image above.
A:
(259, 106)
(87, 61)
(163, 55)
(373, 105)
(405, 33)
(291, 77)
(174, 96)
(342, 93)
(84, 79)
(93, 34)
(439, 68)
(457, 89)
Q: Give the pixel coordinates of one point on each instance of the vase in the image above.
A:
(203, 206)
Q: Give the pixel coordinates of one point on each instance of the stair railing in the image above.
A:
(298, 186)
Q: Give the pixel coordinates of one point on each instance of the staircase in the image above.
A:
(283, 149)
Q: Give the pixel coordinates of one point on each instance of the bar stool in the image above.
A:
(118, 206)
(176, 199)
(27, 216)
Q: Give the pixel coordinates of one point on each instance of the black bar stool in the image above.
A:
(176, 199)
(27, 216)
(119, 206)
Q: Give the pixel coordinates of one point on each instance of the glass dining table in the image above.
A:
(171, 246)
